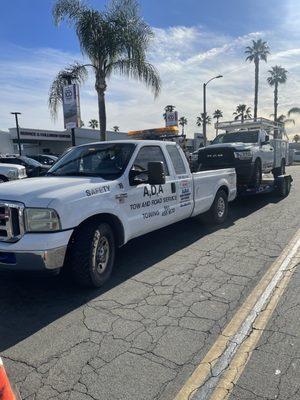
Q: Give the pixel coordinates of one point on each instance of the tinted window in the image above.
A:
(234, 137)
(11, 161)
(149, 153)
(176, 159)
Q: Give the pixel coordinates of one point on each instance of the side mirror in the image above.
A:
(156, 173)
(266, 141)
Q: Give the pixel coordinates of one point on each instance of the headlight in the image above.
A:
(12, 174)
(41, 220)
(243, 155)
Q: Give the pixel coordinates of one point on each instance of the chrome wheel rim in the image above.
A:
(102, 253)
(221, 207)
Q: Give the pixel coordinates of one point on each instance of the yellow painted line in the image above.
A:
(243, 355)
(203, 372)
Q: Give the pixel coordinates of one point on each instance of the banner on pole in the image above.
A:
(71, 106)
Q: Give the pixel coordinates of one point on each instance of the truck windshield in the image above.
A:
(234, 137)
(107, 161)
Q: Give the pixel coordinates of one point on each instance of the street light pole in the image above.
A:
(204, 107)
(16, 113)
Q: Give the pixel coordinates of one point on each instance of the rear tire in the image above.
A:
(257, 175)
(280, 170)
(218, 212)
(92, 254)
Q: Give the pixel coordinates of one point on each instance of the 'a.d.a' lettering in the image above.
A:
(153, 190)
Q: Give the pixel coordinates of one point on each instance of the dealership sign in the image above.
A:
(171, 118)
(71, 106)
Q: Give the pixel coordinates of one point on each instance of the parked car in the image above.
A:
(11, 172)
(33, 167)
(45, 159)
(99, 196)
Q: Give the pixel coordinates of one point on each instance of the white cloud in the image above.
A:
(185, 57)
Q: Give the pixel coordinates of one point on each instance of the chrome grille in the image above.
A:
(11, 221)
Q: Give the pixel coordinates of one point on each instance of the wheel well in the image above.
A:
(225, 188)
(110, 219)
(3, 177)
(258, 160)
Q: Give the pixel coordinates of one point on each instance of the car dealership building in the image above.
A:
(41, 141)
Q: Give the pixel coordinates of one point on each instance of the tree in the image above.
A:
(282, 119)
(115, 41)
(255, 53)
(243, 112)
(116, 129)
(277, 75)
(217, 114)
(296, 138)
(182, 123)
(93, 123)
(200, 120)
(294, 110)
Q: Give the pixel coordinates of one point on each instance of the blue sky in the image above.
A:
(195, 39)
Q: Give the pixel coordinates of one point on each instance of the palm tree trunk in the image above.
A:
(217, 129)
(242, 118)
(100, 87)
(275, 101)
(102, 115)
(256, 88)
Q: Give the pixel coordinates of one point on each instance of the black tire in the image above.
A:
(3, 179)
(280, 170)
(88, 268)
(217, 213)
(257, 175)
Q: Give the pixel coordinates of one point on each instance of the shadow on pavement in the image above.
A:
(28, 302)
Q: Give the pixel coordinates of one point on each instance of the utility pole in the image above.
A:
(16, 113)
(204, 107)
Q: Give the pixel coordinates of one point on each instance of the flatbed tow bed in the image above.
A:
(281, 185)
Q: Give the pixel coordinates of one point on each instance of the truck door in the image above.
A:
(149, 207)
(267, 152)
(183, 182)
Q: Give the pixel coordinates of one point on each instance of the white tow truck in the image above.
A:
(99, 196)
(252, 147)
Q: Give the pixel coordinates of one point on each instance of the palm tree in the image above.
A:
(182, 123)
(243, 112)
(116, 129)
(277, 75)
(217, 114)
(294, 110)
(258, 51)
(114, 41)
(200, 120)
(93, 123)
(282, 119)
(296, 138)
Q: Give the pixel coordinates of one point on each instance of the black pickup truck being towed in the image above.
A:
(247, 147)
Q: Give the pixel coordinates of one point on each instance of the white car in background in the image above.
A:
(12, 172)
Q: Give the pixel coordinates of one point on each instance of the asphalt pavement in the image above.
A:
(143, 334)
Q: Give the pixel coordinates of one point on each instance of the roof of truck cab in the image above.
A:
(129, 141)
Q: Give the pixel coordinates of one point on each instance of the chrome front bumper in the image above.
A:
(32, 261)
